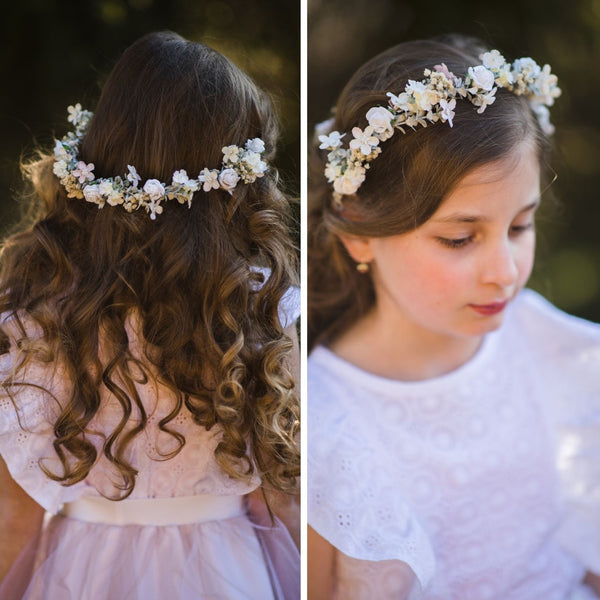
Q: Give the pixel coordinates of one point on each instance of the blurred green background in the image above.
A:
(57, 53)
(343, 34)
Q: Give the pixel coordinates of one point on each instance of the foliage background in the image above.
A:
(343, 34)
(59, 52)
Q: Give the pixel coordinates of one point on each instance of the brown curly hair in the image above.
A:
(408, 182)
(208, 316)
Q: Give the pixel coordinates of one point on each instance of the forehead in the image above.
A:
(510, 182)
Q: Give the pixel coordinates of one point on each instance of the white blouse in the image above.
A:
(480, 484)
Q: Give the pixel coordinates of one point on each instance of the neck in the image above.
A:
(398, 349)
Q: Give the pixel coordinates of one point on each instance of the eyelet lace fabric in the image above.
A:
(484, 481)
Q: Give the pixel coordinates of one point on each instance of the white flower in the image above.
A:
(484, 100)
(504, 77)
(210, 178)
(424, 96)
(350, 181)
(527, 66)
(59, 150)
(60, 168)
(228, 179)
(448, 110)
(133, 176)
(180, 177)
(492, 59)
(256, 165)
(154, 189)
(92, 194)
(106, 187)
(380, 119)
(324, 127)
(255, 145)
(543, 115)
(333, 171)
(482, 77)
(364, 141)
(74, 113)
(399, 103)
(331, 141)
(546, 84)
(231, 153)
(84, 172)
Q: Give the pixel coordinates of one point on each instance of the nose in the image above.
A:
(499, 265)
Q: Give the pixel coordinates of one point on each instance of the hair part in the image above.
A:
(408, 182)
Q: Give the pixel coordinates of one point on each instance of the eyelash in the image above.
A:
(462, 242)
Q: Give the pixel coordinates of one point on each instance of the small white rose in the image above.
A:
(255, 145)
(380, 119)
(228, 179)
(92, 194)
(154, 189)
(482, 78)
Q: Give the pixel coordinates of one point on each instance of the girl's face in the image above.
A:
(454, 275)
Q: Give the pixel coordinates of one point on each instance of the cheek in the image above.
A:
(526, 259)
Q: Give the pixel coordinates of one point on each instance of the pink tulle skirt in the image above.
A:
(230, 559)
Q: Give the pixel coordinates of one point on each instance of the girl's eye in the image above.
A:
(455, 242)
(516, 229)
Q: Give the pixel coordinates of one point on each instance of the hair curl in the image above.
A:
(411, 178)
(209, 322)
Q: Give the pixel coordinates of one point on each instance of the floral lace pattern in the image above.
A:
(456, 476)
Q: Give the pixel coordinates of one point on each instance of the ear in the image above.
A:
(359, 248)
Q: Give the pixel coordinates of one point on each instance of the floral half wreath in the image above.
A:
(431, 100)
(239, 164)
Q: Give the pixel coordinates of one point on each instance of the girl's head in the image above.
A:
(413, 176)
(190, 277)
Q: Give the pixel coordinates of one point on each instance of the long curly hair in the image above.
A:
(411, 178)
(194, 278)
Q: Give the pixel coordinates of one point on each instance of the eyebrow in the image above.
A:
(461, 217)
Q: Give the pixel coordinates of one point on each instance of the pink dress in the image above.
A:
(184, 533)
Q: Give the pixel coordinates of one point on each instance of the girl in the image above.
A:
(147, 341)
(452, 451)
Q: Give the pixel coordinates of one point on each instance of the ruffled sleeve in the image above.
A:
(569, 349)
(27, 414)
(26, 434)
(352, 500)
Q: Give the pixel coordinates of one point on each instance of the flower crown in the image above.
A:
(431, 100)
(239, 164)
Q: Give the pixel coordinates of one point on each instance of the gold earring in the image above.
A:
(362, 267)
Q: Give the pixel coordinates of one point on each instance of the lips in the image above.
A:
(489, 309)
